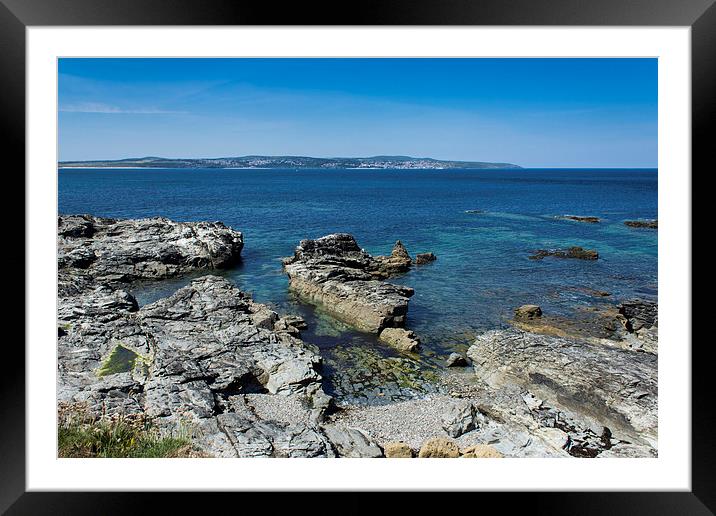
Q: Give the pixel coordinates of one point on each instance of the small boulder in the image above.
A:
(456, 360)
(401, 339)
(481, 451)
(528, 312)
(439, 447)
(351, 442)
(458, 417)
(396, 450)
(423, 258)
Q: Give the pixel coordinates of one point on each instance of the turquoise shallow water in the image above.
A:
(482, 271)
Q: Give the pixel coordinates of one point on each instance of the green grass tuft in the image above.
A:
(125, 436)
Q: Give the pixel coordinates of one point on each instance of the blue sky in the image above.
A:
(532, 112)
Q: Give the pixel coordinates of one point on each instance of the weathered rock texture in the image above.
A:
(398, 261)
(186, 360)
(423, 258)
(401, 339)
(191, 361)
(641, 319)
(103, 251)
(595, 384)
(576, 252)
(334, 272)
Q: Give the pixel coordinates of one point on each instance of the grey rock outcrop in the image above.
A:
(186, 361)
(185, 355)
(597, 384)
(335, 273)
(110, 251)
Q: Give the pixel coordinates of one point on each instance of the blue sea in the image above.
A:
(482, 272)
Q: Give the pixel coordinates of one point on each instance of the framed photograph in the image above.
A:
(258, 239)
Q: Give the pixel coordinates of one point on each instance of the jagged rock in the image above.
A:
(398, 261)
(122, 250)
(481, 451)
(458, 417)
(575, 252)
(401, 339)
(589, 219)
(271, 439)
(649, 224)
(398, 451)
(423, 258)
(456, 360)
(641, 320)
(439, 447)
(639, 314)
(528, 312)
(593, 382)
(352, 442)
(344, 280)
(187, 359)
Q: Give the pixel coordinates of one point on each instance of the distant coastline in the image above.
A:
(275, 162)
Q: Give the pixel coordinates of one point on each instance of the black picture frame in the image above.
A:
(700, 15)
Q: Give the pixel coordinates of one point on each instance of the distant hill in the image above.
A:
(405, 162)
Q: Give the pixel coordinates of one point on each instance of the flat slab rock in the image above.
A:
(103, 250)
(334, 272)
(614, 387)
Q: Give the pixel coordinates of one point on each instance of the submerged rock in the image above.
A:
(335, 273)
(648, 224)
(423, 258)
(589, 219)
(528, 312)
(575, 252)
(401, 339)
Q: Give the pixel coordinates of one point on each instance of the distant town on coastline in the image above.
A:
(399, 162)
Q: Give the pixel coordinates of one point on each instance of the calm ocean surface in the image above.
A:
(482, 271)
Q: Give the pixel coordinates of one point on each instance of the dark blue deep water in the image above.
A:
(482, 271)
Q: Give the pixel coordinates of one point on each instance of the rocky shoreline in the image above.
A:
(238, 376)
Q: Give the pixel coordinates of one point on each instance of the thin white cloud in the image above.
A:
(95, 107)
